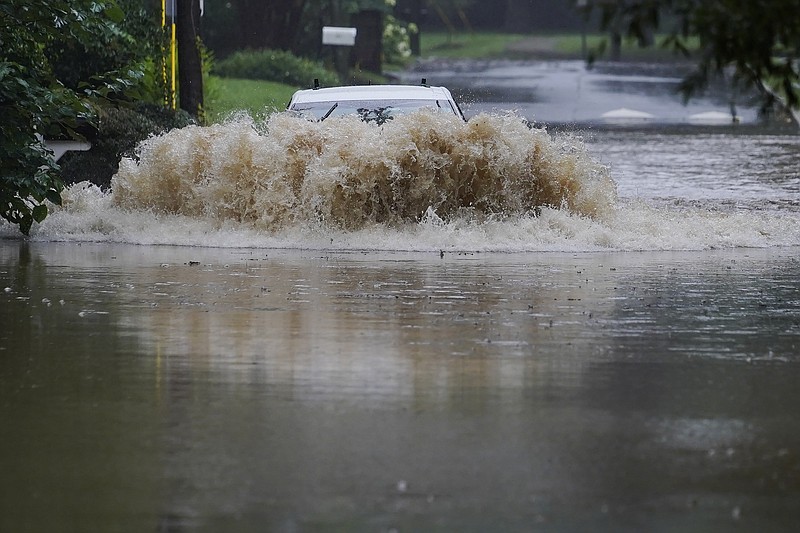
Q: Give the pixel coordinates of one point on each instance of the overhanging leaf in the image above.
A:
(54, 196)
(39, 212)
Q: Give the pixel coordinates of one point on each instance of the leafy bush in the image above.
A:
(28, 174)
(87, 43)
(120, 130)
(274, 65)
(397, 40)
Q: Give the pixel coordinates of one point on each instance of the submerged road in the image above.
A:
(569, 92)
(546, 372)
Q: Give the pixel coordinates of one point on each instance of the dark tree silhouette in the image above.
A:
(269, 23)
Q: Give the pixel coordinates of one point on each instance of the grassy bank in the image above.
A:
(226, 96)
(573, 44)
(467, 45)
(487, 45)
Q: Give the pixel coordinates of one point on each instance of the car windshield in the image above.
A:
(378, 111)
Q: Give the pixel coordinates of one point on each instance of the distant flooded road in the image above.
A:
(429, 326)
(569, 92)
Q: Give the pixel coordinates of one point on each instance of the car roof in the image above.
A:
(371, 92)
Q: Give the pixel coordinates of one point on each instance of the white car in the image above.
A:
(373, 103)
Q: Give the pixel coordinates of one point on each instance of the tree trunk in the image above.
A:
(367, 52)
(190, 68)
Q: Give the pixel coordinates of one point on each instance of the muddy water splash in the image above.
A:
(350, 174)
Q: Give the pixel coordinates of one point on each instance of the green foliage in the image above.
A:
(119, 42)
(396, 40)
(120, 130)
(35, 103)
(473, 45)
(28, 174)
(758, 41)
(274, 65)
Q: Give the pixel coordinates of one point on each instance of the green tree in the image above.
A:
(35, 103)
(758, 41)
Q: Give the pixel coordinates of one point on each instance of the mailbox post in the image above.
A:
(339, 37)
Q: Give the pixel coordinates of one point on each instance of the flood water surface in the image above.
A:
(175, 388)
(572, 92)
(479, 327)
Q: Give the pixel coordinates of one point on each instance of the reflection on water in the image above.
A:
(200, 389)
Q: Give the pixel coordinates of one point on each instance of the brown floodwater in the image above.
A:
(428, 326)
(167, 388)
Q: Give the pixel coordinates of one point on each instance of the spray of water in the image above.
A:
(422, 182)
(349, 174)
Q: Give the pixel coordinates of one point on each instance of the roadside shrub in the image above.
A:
(274, 65)
(397, 41)
(120, 130)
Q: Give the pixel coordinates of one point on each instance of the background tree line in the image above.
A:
(295, 25)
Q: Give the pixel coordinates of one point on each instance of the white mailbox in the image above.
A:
(338, 36)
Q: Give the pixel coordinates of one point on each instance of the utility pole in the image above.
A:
(190, 67)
